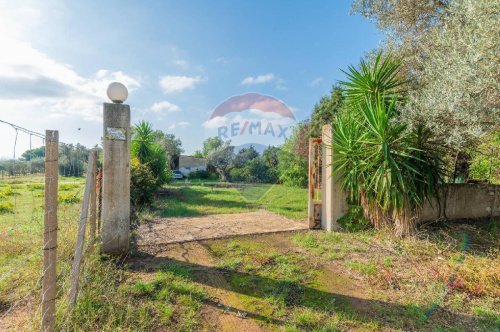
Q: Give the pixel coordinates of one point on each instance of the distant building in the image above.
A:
(188, 164)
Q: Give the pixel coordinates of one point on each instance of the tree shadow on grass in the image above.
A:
(182, 202)
(354, 311)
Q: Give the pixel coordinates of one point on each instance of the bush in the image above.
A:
(292, 170)
(7, 191)
(256, 171)
(237, 175)
(200, 174)
(68, 198)
(487, 155)
(143, 184)
(6, 207)
(353, 220)
(149, 165)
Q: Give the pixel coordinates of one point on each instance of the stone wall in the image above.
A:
(464, 201)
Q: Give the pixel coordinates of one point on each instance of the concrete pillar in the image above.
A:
(115, 210)
(333, 198)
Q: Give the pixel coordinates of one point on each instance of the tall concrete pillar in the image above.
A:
(333, 198)
(115, 210)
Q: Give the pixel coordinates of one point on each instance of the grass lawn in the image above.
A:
(445, 279)
(21, 239)
(202, 198)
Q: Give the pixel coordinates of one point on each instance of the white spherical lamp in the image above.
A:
(117, 92)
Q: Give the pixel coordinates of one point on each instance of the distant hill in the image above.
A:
(259, 147)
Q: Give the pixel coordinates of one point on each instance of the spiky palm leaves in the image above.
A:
(149, 152)
(387, 170)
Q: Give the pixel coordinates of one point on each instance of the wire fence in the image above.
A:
(27, 243)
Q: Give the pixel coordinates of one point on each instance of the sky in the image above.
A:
(179, 60)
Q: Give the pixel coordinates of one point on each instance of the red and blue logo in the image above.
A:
(251, 119)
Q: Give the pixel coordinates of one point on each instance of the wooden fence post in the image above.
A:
(93, 204)
(77, 260)
(50, 231)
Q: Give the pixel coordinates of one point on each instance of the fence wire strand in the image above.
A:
(22, 190)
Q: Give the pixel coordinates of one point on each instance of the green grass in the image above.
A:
(391, 284)
(199, 200)
(290, 202)
(21, 237)
(306, 281)
(167, 301)
(203, 198)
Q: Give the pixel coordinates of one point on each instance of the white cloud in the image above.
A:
(218, 121)
(261, 79)
(39, 92)
(182, 64)
(181, 124)
(316, 81)
(31, 77)
(165, 106)
(171, 83)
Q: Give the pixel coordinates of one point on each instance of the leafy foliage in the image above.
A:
(143, 183)
(353, 220)
(171, 145)
(386, 168)
(245, 155)
(149, 166)
(221, 158)
(211, 144)
(255, 170)
(485, 161)
(449, 55)
(324, 112)
(143, 141)
(270, 155)
(293, 157)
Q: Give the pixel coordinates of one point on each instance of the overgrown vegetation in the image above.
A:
(149, 166)
(386, 168)
(315, 281)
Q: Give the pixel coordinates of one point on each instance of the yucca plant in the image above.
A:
(147, 154)
(388, 170)
(143, 141)
(373, 80)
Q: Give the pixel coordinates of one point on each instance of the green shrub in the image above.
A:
(353, 220)
(485, 157)
(143, 184)
(149, 170)
(35, 186)
(6, 207)
(293, 170)
(67, 186)
(8, 191)
(68, 198)
(200, 174)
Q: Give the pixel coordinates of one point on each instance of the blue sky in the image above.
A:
(180, 59)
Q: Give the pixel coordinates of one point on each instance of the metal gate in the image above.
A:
(315, 180)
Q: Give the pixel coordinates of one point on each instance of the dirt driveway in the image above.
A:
(163, 231)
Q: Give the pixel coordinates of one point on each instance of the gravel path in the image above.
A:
(176, 230)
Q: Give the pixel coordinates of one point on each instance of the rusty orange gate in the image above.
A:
(315, 179)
